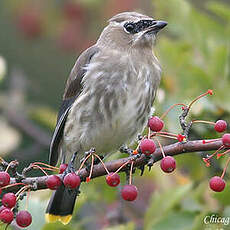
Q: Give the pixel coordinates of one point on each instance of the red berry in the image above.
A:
(113, 179)
(226, 139)
(4, 179)
(72, 180)
(147, 146)
(9, 200)
(220, 126)
(62, 168)
(23, 218)
(217, 184)
(168, 164)
(155, 124)
(6, 216)
(129, 192)
(53, 182)
(2, 208)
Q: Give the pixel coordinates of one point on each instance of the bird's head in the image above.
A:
(130, 29)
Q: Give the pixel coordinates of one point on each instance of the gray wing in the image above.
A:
(72, 91)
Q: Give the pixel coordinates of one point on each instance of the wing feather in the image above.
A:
(72, 91)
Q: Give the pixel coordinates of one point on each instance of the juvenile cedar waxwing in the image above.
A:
(107, 99)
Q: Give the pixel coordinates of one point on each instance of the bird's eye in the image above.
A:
(130, 27)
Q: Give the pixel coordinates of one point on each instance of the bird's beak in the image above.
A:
(156, 27)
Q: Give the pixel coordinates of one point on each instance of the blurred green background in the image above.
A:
(39, 43)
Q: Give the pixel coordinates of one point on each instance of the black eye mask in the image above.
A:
(133, 28)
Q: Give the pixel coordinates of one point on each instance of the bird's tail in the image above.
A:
(61, 205)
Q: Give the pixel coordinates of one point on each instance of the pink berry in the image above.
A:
(53, 182)
(129, 192)
(4, 179)
(23, 219)
(113, 179)
(217, 184)
(226, 139)
(220, 126)
(147, 147)
(155, 124)
(72, 180)
(62, 168)
(6, 216)
(9, 200)
(168, 164)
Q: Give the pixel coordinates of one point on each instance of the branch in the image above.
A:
(38, 183)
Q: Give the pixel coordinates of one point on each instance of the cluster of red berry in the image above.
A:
(217, 183)
(71, 180)
(148, 146)
(9, 200)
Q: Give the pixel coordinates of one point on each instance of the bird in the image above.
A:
(107, 99)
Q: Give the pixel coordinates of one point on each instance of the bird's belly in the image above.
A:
(103, 129)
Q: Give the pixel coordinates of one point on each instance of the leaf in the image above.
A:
(178, 221)
(161, 204)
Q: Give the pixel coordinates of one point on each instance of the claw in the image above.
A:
(142, 168)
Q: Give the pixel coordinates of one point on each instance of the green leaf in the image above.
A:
(178, 221)
(161, 204)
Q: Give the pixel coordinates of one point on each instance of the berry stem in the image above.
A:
(101, 162)
(169, 109)
(23, 189)
(11, 185)
(206, 122)
(197, 98)
(149, 133)
(161, 135)
(225, 168)
(91, 168)
(211, 141)
(164, 133)
(224, 153)
(221, 147)
(49, 166)
(130, 175)
(161, 148)
(127, 162)
(8, 166)
(82, 164)
(38, 167)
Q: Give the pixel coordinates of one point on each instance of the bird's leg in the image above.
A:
(70, 167)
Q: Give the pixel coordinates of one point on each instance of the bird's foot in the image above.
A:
(70, 167)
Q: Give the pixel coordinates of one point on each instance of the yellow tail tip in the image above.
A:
(50, 218)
